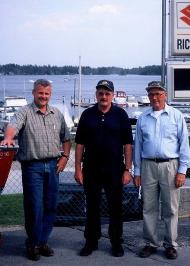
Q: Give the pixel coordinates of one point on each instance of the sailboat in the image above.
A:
(83, 102)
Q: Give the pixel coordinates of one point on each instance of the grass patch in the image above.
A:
(11, 210)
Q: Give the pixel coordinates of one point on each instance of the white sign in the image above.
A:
(180, 27)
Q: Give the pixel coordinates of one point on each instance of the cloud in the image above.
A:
(79, 20)
(104, 9)
(51, 23)
(59, 22)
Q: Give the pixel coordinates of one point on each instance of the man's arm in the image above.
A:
(128, 155)
(13, 128)
(137, 154)
(67, 148)
(184, 153)
(63, 160)
(78, 160)
(128, 163)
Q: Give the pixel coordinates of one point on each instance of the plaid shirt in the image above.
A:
(40, 136)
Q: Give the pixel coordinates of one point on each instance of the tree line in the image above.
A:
(14, 69)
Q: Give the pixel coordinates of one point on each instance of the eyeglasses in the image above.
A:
(155, 94)
(104, 93)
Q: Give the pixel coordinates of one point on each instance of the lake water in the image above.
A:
(63, 86)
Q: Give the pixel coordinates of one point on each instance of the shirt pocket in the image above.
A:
(53, 130)
(170, 130)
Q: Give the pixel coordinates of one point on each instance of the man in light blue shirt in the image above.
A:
(161, 159)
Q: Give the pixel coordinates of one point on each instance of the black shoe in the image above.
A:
(33, 253)
(171, 253)
(46, 251)
(88, 249)
(117, 250)
(147, 251)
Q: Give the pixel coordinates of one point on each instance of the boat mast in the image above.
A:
(74, 96)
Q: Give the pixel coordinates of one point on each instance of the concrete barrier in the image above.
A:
(184, 206)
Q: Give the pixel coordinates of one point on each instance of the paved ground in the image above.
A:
(67, 241)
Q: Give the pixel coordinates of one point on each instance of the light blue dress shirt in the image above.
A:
(163, 137)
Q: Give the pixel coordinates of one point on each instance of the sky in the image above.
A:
(121, 33)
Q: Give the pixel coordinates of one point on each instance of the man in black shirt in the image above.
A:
(103, 160)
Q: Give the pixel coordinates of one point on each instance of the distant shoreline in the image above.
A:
(14, 69)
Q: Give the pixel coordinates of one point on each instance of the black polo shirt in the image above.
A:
(103, 135)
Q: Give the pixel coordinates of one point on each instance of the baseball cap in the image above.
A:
(155, 85)
(105, 83)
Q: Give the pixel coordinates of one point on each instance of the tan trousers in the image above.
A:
(160, 193)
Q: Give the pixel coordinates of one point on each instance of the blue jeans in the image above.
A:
(40, 188)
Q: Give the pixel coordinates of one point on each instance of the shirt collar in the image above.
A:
(37, 110)
(111, 108)
(165, 110)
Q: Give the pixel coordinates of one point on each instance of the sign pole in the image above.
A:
(163, 40)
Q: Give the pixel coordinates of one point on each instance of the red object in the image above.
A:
(6, 158)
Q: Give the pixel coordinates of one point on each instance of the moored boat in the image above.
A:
(131, 101)
(85, 103)
(143, 100)
(120, 98)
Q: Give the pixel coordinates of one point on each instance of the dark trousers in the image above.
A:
(40, 187)
(111, 182)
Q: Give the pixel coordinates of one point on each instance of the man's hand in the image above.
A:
(79, 176)
(179, 180)
(137, 180)
(10, 133)
(61, 164)
(126, 177)
(7, 142)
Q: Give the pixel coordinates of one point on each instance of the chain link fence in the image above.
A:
(71, 207)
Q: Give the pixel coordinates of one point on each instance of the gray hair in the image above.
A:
(42, 82)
